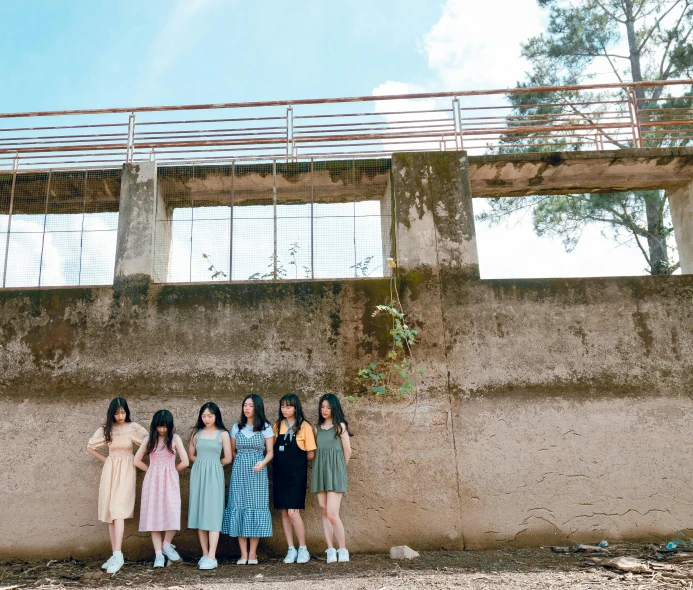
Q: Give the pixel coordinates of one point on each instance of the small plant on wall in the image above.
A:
(395, 376)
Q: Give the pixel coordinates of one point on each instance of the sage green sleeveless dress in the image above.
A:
(329, 468)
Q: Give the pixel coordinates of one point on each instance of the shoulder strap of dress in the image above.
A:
(219, 431)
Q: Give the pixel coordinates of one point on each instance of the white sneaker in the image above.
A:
(108, 562)
(291, 555)
(199, 561)
(170, 552)
(303, 555)
(116, 564)
(342, 554)
(159, 561)
(207, 564)
(331, 555)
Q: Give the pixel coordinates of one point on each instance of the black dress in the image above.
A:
(290, 468)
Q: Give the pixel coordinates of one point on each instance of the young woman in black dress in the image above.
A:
(294, 446)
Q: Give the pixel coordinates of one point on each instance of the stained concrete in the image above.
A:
(434, 218)
(558, 173)
(136, 223)
(550, 410)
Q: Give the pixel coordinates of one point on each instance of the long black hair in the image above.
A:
(113, 407)
(291, 399)
(218, 422)
(259, 421)
(161, 418)
(337, 414)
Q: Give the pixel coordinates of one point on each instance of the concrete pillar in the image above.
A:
(386, 214)
(681, 206)
(136, 225)
(163, 237)
(433, 211)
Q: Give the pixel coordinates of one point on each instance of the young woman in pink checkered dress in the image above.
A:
(160, 505)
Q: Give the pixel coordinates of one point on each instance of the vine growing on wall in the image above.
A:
(395, 376)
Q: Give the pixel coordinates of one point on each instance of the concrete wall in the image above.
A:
(551, 410)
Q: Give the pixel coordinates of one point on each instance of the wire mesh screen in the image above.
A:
(272, 221)
(58, 228)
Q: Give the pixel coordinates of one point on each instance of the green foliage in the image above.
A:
(394, 376)
(270, 274)
(216, 273)
(582, 37)
(361, 267)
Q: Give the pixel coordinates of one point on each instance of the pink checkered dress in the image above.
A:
(160, 506)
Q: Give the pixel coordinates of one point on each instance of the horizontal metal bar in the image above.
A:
(368, 98)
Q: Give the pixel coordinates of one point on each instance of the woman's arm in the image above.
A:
(182, 455)
(228, 444)
(311, 455)
(139, 455)
(269, 454)
(96, 454)
(96, 441)
(191, 449)
(346, 443)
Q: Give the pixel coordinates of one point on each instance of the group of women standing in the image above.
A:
(250, 445)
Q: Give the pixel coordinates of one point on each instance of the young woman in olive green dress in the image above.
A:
(329, 480)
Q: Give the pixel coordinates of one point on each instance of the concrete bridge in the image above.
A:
(551, 411)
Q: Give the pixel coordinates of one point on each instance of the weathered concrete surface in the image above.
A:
(681, 207)
(550, 410)
(333, 181)
(434, 219)
(555, 173)
(136, 223)
(563, 430)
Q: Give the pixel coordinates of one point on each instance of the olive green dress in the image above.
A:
(329, 468)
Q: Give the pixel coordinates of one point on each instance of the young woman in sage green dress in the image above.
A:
(329, 480)
(206, 502)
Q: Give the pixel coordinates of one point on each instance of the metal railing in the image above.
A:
(602, 116)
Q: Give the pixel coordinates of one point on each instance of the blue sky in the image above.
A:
(60, 54)
(96, 53)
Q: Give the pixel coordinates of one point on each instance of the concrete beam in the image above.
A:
(555, 173)
(136, 224)
(434, 216)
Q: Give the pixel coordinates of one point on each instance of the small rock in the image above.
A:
(402, 552)
(259, 577)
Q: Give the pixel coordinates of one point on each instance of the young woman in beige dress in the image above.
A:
(118, 477)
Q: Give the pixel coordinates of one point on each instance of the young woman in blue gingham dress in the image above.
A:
(247, 515)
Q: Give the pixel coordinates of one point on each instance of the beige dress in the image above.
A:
(118, 478)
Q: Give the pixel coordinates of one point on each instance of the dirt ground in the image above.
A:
(525, 569)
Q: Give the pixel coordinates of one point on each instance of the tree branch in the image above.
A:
(609, 13)
(613, 67)
(656, 26)
(635, 234)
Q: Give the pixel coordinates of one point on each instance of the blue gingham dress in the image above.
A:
(247, 512)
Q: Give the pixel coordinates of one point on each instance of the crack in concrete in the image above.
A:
(447, 382)
(608, 514)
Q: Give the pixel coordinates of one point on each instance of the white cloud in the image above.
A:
(477, 46)
(403, 113)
